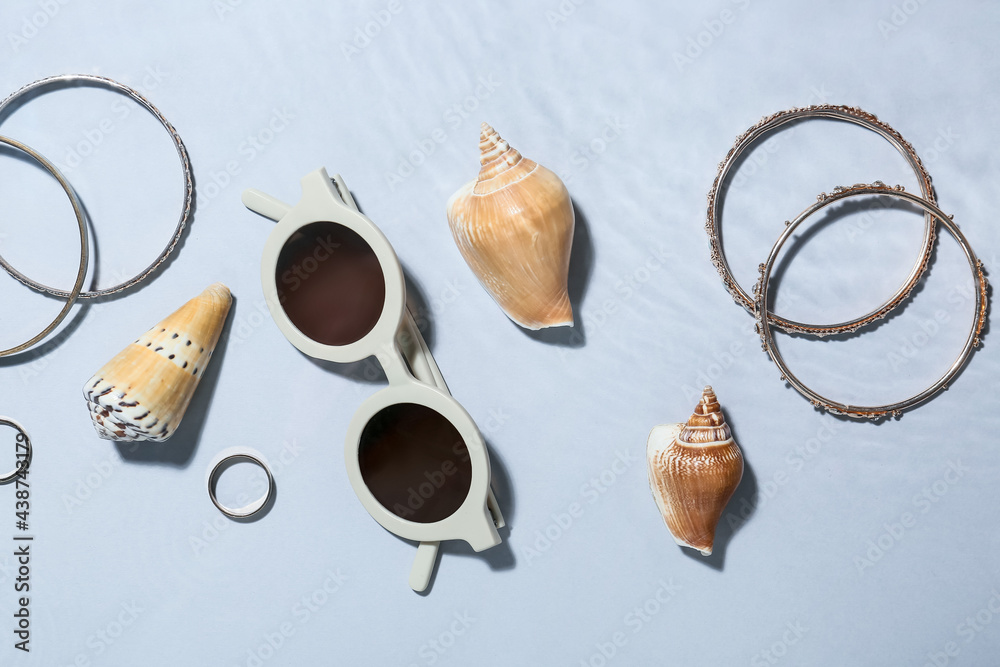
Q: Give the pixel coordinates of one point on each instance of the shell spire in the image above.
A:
(707, 424)
(143, 392)
(694, 469)
(497, 158)
(514, 227)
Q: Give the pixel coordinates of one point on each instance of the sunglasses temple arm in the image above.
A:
(418, 355)
(264, 204)
(494, 509)
(345, 194)
(426, 370)
(423, 565)
(413, 345)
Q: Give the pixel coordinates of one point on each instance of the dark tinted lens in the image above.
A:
(330, 283)
(415, 462)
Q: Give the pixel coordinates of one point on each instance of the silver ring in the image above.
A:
(21, 468)
(764, 322)
(181, 153)
(81, 274)
(254, 507)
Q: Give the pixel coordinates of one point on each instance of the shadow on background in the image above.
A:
(500, 557)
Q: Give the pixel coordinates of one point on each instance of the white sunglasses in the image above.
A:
(414, 456)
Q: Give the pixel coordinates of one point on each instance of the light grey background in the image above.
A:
(633, 104)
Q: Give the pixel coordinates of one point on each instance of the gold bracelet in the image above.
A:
(774, 121)
(764, 323)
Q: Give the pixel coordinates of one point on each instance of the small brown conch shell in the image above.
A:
(694, 469)
(143, 392)
(514, 227)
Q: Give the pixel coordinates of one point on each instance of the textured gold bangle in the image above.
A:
(764, 323)
(774, 121)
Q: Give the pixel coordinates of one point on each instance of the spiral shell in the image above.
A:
(143, 392)
(694, 469)
(514, 227)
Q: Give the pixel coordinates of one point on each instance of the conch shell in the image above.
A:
(143, 392)
(514, 227)
(694, 469)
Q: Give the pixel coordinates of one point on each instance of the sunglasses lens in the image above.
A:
(415, 462)
(330, 283)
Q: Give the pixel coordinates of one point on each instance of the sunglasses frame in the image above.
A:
(396, 342)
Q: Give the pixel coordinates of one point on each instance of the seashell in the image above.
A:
(143, 392)
(514, 227)
(694, 469)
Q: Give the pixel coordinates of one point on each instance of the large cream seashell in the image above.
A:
(514, 227)
(694, 469)
(143, 392)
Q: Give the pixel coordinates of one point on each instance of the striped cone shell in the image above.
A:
(143, 392)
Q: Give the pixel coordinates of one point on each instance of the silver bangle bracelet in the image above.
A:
(92, 80)
(81, 274)
(764, 322)
(752, 136)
